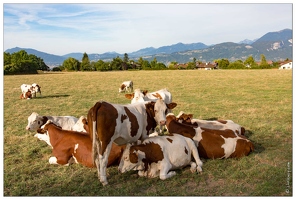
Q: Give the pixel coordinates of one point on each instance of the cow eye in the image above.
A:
(38, 123)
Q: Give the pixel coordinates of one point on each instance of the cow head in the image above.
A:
(159, 109)
(183, 117)
(131, 159)
(35, 121)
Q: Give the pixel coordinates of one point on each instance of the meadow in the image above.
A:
(259, 100)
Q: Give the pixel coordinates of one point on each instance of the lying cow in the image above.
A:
(212, 143)
(210, 124)
(126, 86)
(158, 156)
(80, 125)
(35, 121)
(73, 147)
(122, 124)
(27, 95)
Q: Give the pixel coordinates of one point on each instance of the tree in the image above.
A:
(116, 64)
(263, 63)
(85, 63)
(71, 64)
(222, 63)
(250, 62)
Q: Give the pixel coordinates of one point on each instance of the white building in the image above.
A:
(288, 65)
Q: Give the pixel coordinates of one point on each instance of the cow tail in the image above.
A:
(94, 132)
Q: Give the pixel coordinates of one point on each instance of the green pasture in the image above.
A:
(259, 100)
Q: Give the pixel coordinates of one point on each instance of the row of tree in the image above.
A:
(22, 62)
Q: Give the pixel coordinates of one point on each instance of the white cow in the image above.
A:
(126, 86)
(158, 156)
(35, 121)
(79, 125)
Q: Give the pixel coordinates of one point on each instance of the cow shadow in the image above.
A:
(52, 96)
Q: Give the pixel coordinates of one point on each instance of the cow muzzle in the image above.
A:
(162, 122)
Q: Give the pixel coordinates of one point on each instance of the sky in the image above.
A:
(62, 28)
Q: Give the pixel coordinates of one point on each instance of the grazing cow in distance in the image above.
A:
(35, 121)
(34, 88)
(158, 156)
(37, 89)
(126, 86)
(210, 124)
(27, 95)
(212, 143)
(121, 124)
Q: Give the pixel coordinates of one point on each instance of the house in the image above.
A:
(286, 65)
(207, 66)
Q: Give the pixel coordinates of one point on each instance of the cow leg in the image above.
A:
(103, 164)
(195, 155)
(54, 161)
(164, 170)
(193, 167)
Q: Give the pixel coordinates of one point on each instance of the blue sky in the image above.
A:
(126, 27)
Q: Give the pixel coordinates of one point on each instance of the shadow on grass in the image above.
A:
(52, 96)
(258, 148)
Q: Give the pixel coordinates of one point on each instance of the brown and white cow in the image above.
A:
(27, 95)
(35, 121)
(141, 96)
(210, 124)
(126, 86)
(34, 88)
(212, 143)
(73, 147)
(122, 124)
(158, 156)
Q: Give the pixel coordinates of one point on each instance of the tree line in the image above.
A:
(22, 62)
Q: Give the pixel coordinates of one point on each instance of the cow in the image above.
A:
(158, 156)
(73, 147)
(141, 96)
(34, 88)
(212, 143)
(126, 86)
(80, 125)
(27, 95)
(35, 121)
(37, 89)
(122, 124)
(210, 124)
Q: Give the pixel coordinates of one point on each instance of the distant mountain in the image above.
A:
(274, 45)
(49, 59)
(247, 41)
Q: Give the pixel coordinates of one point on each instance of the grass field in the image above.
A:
(259, 100)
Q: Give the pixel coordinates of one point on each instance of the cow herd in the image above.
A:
(126, 136)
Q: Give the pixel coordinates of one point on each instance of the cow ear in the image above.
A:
(190, 116)
(129, 96)
(157, 95)
(145, 92)
(172, 105)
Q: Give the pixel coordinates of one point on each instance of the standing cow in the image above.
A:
(122, 124)
(158, 156)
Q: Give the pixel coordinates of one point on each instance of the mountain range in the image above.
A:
(274, 45)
